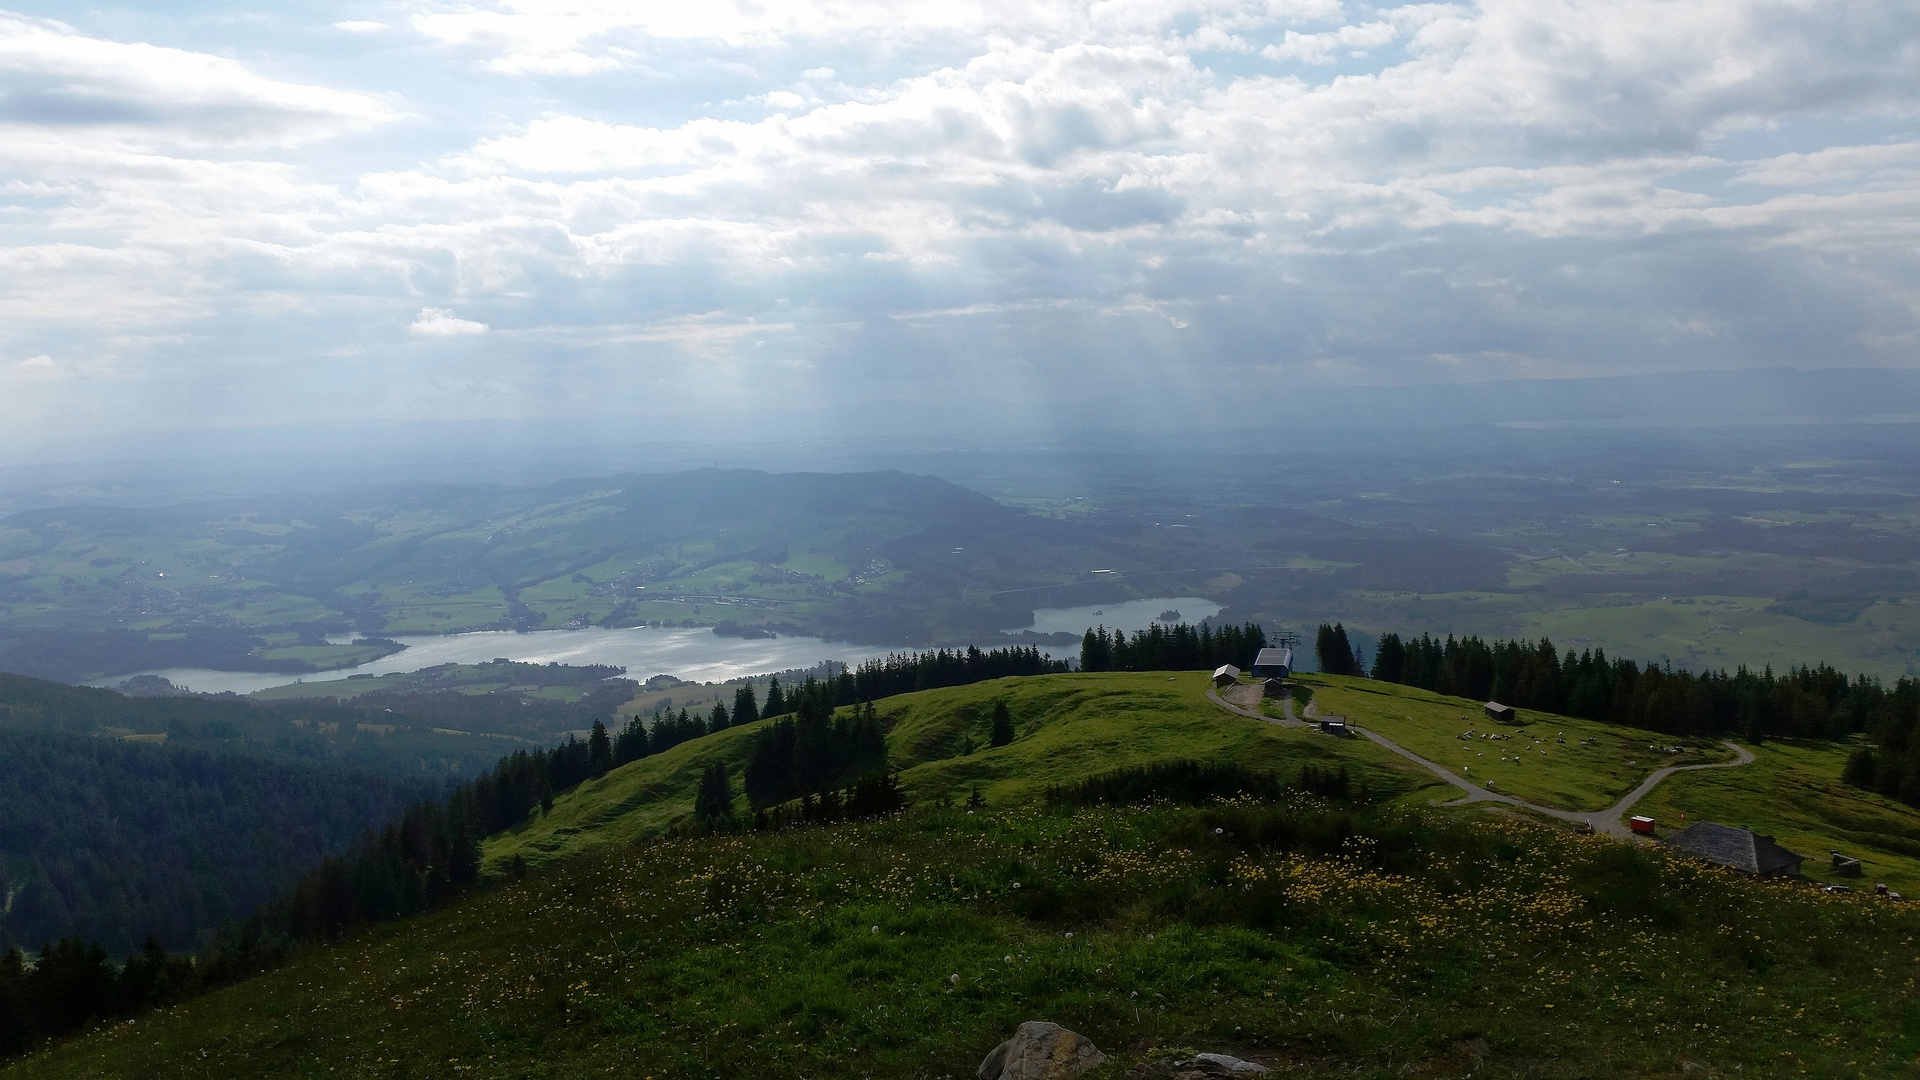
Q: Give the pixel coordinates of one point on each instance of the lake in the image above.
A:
(697, 654)
(1129, 615)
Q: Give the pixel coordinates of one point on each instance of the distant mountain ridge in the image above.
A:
(258, 584)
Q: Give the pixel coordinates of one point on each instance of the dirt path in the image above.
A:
(1604, 821)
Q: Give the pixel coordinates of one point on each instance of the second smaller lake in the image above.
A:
(1127, 615)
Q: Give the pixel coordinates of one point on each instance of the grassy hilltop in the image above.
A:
(1390, 938)
(1071, 726)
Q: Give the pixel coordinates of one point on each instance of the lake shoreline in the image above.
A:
(692, 653)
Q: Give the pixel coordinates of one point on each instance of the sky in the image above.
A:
(728, 212)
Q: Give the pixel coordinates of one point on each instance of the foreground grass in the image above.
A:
(1533, 764)
(1069, 727)
(1385, 943)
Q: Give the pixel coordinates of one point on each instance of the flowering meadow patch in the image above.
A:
(1318, 937)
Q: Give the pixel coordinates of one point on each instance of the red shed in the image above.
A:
(1641, 825)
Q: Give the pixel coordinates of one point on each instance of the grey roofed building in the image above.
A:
(1273, 663)
(1742, 849)
(1226, 675)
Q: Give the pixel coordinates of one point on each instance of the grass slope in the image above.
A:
(1068, 727)
(1409, 942)
(1532, 764)
(1792, 790)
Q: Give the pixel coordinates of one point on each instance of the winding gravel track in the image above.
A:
(1603, 821)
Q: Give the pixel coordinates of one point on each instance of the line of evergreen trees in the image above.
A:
(905, 673)
(898, 673)
(1170, 648)
(1807, 702)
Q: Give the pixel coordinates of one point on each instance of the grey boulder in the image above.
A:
(1041, 1051)
(1227, 1066)
(1198, 1067)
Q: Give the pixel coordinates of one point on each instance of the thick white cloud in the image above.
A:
(439, 322)
(55, 78)
(835, 200)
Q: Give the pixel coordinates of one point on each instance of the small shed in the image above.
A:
(1742, 849)
(1273, 688)
(1333, 725)
(1226, 675)
(1273, 663)
(1641, 825)
(1844, 865)
(1499, 714)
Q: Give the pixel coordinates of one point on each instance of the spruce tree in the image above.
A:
(632, 743)
(717, 720)
(776, 704)
(1002, 731)
(713, 803)
(1343, 654)
(599, 751)
(745, 709)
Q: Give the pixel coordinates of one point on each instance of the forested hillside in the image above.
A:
(380, 737)
(122, 817)
(115, 841)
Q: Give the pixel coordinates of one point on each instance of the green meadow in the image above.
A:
(1552, 760)
(1792, 790)
(1325, 942)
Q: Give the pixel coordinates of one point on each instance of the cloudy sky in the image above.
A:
(222, 214)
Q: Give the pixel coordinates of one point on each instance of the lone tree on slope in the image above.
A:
(1002, 731)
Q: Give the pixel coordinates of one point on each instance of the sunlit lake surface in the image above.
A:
(691, 653)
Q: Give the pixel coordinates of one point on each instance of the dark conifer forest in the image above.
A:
(116, 841)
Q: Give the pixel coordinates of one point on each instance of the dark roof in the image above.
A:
(1742, 849)
(1274, 658)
